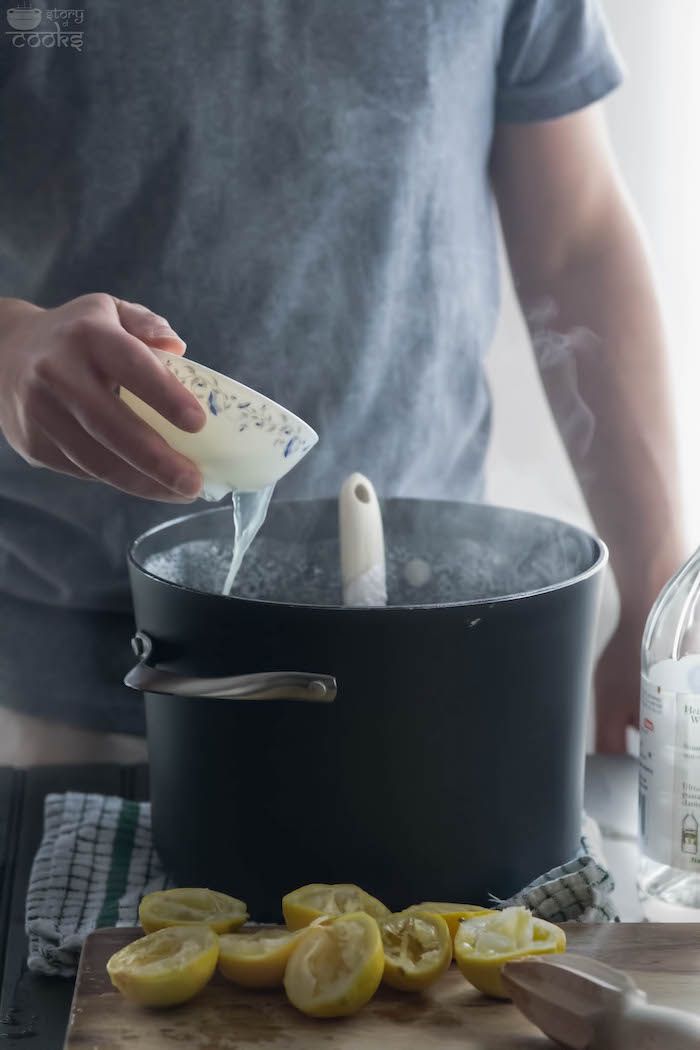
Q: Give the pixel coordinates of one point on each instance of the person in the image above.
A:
(305, 192)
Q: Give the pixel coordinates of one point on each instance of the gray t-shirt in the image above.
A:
(301, 188)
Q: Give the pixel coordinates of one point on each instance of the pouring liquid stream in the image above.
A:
(249, 512)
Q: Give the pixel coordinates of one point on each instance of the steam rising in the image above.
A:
(557, 355)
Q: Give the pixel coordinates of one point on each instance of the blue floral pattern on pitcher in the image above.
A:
(244, 411)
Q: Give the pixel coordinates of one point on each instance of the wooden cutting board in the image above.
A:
(664, 959)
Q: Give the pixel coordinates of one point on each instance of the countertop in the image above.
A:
(36, 1008)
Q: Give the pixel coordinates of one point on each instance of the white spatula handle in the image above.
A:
(644, 1027)
(361, 543)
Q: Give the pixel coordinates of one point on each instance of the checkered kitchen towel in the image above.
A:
(96, 860)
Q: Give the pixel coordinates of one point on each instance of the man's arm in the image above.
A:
(587, 292)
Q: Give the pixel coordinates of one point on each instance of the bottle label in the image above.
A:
(669, 776)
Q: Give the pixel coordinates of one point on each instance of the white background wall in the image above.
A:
(654, 126)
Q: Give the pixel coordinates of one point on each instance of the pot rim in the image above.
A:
(597, 566)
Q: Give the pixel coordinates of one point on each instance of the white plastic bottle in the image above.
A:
(669, 752)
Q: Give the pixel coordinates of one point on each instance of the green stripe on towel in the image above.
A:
(121, 861)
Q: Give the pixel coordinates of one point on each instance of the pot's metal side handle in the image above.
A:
(266, 685)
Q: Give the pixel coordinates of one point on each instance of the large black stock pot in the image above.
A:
(432, 749)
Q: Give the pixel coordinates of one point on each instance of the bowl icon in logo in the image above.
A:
(24, 18)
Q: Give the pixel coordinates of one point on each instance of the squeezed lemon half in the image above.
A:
(417, 949)
(256, 958)
(182, 907)
(167, 967)
(302, 906)
(485, 942)
(451, 913)
(335, 968)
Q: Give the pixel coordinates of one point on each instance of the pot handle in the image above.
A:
(265, 685)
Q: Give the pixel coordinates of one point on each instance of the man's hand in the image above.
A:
(587, 292)
(60, 371)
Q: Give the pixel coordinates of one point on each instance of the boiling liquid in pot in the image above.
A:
(425, 565)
